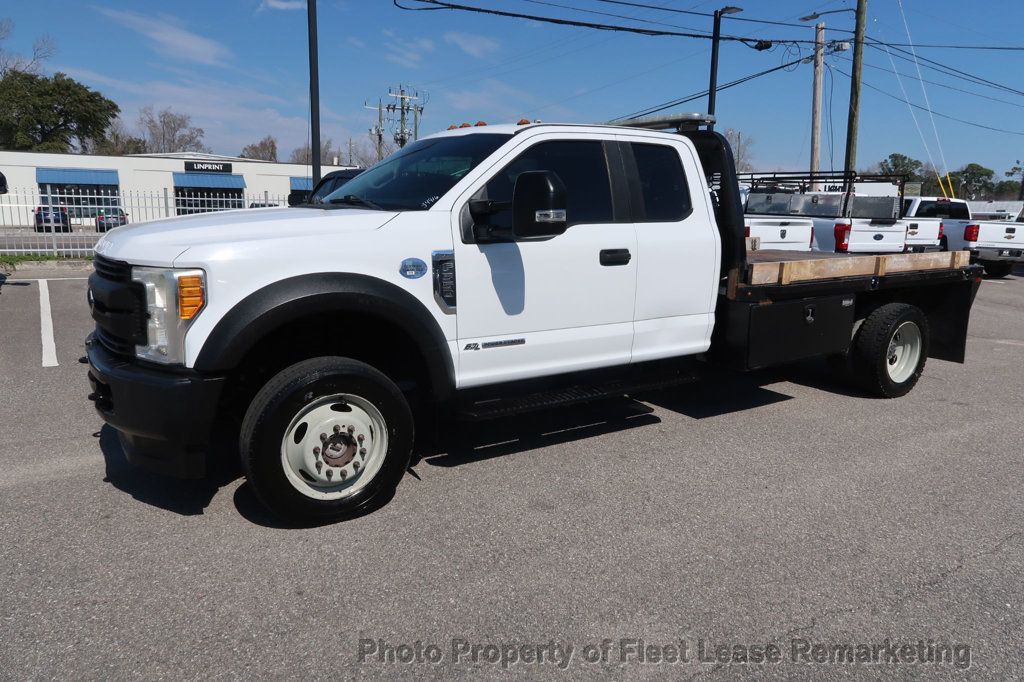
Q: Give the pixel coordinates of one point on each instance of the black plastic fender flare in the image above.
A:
(273, 306)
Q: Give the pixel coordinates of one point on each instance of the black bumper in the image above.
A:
(164, 417)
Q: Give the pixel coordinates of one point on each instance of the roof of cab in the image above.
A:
(514, 129)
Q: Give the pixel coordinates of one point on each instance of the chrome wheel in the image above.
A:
(334, 446)
(904, 352)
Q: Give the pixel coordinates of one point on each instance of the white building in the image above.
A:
(179, 183)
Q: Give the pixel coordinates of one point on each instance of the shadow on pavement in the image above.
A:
(463, 442)
(182, 496)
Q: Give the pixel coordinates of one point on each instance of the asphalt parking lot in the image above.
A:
(772, 509)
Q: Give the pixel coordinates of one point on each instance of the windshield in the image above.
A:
(415, 177)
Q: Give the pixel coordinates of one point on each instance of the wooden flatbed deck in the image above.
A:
(786, 267)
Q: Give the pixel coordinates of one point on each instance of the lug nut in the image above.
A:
(362, 451)
(319, 466)
(342, 475)
(323, 437)
(316, 451)
(337, 429)
(330, 474)
(355, 465)
(361, 438)
(351, 429)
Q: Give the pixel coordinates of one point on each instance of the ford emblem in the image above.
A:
(412, 268)
(879, 237)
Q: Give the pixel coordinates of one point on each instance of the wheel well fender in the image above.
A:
(271, 308)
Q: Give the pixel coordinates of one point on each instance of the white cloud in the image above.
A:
(472, 44)
(168, 37)
(407, 52)
(497, 101)
(282, 4)
(232, 115)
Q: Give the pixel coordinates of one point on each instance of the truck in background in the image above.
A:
(851, 213)
(998, 245)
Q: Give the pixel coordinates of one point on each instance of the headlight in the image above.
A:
(173, 299)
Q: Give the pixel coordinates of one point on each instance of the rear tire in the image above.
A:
(998, 269)
(353, 412)
(890, 350)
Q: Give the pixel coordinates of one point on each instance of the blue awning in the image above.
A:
(209, 180)
(76, 176)
(301, 183)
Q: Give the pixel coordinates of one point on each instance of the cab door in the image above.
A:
(536, 308)
(678, 248)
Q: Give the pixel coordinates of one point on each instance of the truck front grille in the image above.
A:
(118, 305)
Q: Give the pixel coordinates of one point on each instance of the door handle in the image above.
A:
(615, 256)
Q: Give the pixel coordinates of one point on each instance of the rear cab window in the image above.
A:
(957, 210)
(663, 187)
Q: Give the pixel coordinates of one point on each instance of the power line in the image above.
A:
(443, 4)
(924, 90)
(710, 14)
(942, 68)
(947, 116)
(941, 85)
(703, 93)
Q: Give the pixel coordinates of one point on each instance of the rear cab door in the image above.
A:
(678, 246)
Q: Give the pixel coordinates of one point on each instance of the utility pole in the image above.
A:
(850, 164)
(404, 106)
(314, 91)
(819, 62)
(716, 37)
(377, 131)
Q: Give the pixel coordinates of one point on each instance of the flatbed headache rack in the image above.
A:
(824, 181)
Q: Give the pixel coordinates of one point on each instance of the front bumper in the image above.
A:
(1015, 254)
(163, 417)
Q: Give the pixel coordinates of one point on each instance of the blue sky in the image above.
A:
(239, 68)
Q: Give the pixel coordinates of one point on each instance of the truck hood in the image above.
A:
(159, 242)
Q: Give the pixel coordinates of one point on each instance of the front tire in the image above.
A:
(890, 350)
(325, 439)
(998, 269)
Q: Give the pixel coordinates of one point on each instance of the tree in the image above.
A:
(1006, 190)
(973, 181)
(42, 49)
(55, 114)
(304, 154)
(1018, 171)
(901, 164)
(265, 149)
(168, 131)
(117, 141)
(741, 145)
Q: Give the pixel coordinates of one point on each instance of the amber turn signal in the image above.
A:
(191, 296)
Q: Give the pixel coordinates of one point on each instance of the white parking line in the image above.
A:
(46, 326)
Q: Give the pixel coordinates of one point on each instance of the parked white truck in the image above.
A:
(478, 272)
(998, 245)
(851, 213)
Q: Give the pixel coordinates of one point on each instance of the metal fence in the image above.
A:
(68, 224)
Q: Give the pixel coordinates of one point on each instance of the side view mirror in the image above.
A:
(3, 184)
(538, 205)
(299, 197)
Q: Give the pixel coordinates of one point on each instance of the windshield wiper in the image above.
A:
(353, 200)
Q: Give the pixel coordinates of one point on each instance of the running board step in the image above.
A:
(503, 407)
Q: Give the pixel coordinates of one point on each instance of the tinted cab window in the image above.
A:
(581, 166)
(943, 209)
(662, 183)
